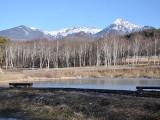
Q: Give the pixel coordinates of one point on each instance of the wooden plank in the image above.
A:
(147, 87)
(21, 84)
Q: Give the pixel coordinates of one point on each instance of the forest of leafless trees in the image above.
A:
(78, 52)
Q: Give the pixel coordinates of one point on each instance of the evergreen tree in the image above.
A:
(3, 42)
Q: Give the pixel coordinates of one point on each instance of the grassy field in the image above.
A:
(84, 72)
(61, 104)
(65, 104)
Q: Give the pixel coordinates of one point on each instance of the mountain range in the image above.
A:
(118, 27)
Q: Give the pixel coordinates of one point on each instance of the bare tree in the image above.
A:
(115, 51)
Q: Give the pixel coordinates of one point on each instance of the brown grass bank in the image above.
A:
(83, 72)
(96, 72)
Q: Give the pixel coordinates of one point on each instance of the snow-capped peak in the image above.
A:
(119, 26)
(125, 23)
(118, 21)
(124, 26)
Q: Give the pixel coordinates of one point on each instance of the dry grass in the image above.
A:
(103, 72)
(76, 105)
(144, 60)
(85, 72)
(11, 76)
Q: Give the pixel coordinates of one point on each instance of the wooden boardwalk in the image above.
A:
(21, 84)
(140, 88)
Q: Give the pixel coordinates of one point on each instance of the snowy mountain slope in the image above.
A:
(25, 33)
(118, 27)
(69, 31)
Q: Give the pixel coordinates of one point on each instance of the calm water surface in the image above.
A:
(95, 83)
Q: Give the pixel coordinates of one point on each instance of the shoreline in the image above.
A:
(136, 93)
(40, 79)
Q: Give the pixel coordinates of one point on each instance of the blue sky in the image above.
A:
(58, 14)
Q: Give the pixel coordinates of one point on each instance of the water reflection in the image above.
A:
(98, 83)
(95, 83)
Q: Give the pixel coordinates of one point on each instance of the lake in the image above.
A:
(95, 83)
